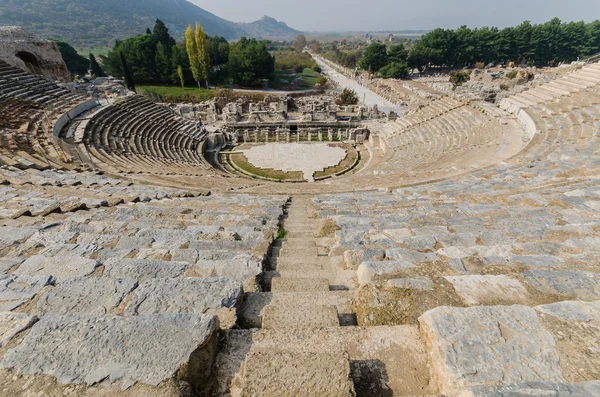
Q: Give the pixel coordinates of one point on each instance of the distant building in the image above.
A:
(24, 50)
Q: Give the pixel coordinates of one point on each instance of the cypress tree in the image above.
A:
(95, 68)
(127, 75)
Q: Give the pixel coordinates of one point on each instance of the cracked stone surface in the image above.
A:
(488, 344)
(186, 295)
(82, 349)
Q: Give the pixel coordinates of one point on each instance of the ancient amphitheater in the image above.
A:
(456, 254)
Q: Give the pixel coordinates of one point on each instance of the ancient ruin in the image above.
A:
(296, 247)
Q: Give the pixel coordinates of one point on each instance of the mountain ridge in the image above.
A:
(97, 24)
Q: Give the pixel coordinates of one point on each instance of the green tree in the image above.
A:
(95, 68)
(374, 58)
(197, 50)
(218, 48)
(161, 34)
(162, 60)
(77, 64)
(250, 62)
(397, 53)
(127, 74)
(394, 70)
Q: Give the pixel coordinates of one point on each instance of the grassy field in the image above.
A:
(174, 94)
(284, 79)
(242, 162)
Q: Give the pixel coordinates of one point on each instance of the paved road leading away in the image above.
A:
(364, 94)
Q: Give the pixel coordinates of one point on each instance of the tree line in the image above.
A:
(155, 58)
(545, 44)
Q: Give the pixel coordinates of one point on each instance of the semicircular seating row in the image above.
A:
(444, 138)
(520, 240)
(136, 135)
(28, 106)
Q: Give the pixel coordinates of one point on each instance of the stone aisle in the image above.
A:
(301, 337)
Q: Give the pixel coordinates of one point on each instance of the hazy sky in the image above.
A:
(327, 15)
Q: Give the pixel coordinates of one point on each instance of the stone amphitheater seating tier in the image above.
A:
(28, 106)
(95, 282)
(480, 285)
(137, 135)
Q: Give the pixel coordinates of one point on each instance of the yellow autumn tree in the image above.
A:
(197, 49)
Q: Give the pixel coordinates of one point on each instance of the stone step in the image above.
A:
(338, 280)
(300, 316)
(300, 234)
(292, 263)
(300, 225)
(298, 243)
(270, 373)
(384, 360)
(251, 312)
(281, 284)
(299, 252)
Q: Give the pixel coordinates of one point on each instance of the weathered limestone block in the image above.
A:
(82, 349)
(143, 269)
(274, 373)
(578, 284)
(537, 389)
(239, 268)
(86, 295)
(371, 271)
(8, 263)
(10, 235)
(185, 295)
(489, 290)
(13, 323)
(16, 290)
(416, 283)
(574, 325)
(353, 258)
(488, 345)
(61, 267)
(572, 310)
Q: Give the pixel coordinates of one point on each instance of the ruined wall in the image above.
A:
(44, 55)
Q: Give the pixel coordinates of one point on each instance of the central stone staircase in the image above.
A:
(301, 337)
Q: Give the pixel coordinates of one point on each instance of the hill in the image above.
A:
(96, 24)
(267, 27)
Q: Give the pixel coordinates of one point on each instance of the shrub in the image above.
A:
(322, 83)
(298, 68)
(347, 97)
(459, 77)
(512, 74)
(504, 87)
(316, 68)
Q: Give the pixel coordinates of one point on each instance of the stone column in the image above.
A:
(330, 134)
